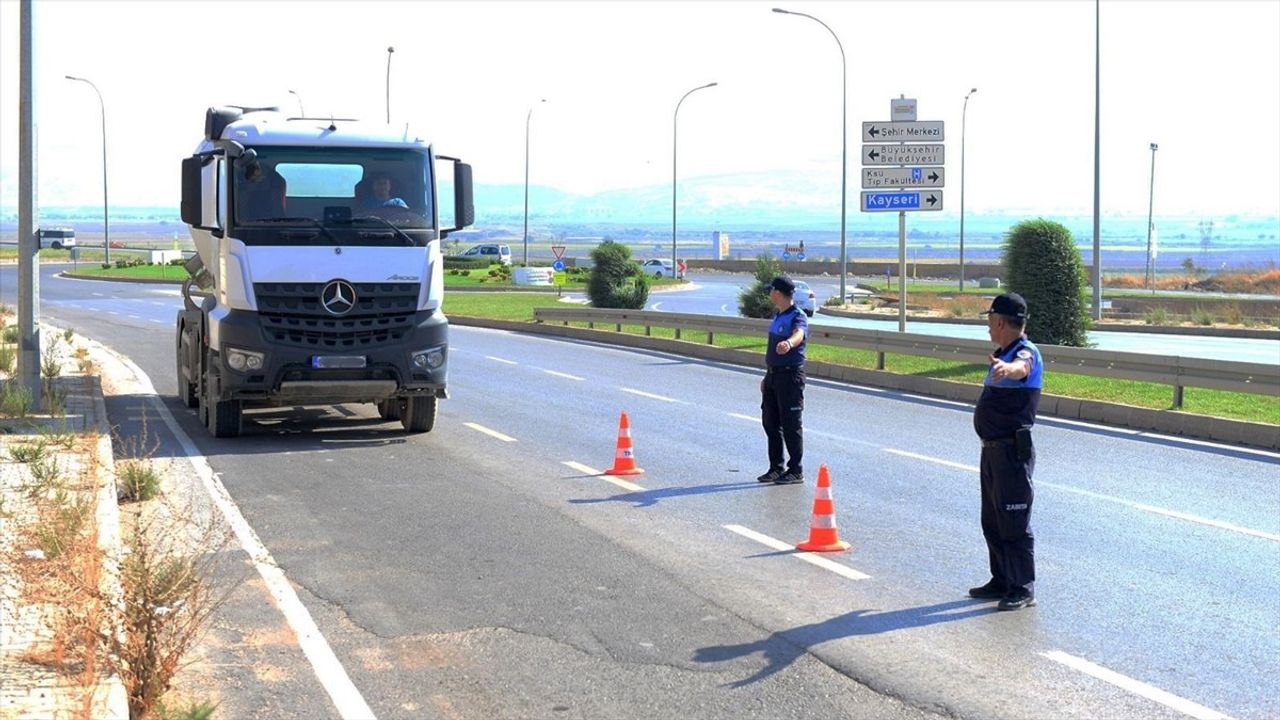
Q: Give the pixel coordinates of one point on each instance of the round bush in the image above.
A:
(754, 301)
(616, 280)
(1042, 263)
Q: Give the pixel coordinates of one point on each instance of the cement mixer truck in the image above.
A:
(318, 277)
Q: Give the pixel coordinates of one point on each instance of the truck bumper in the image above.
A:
(302, 374)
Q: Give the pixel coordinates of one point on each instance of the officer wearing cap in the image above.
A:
(783, 386)
(1003, 418)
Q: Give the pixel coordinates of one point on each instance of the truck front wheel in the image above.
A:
(418, 414)
(389, 409)
(222, 417)
(187, 391)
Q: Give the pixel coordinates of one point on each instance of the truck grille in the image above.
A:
(292, 315)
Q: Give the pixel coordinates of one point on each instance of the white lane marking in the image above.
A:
(159, 304)
(656, 306)
(587, 470)
(740, 416)
(724, 309)
(1137, 687)
(1108, 498)
(344, 694)
(159, 322)
(948, 463)
(563, 375)
(490, 433)
(135, 317)
(812, 559)
(642, 393)
(99, 295)
(501, 360)
(1207, 521)
(112, 312)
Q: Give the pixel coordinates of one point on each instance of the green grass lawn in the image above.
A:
(90, 257)
(141, 272)
(1218, 403)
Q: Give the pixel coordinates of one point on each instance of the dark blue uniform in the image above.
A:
(783, 392)
(1006, 407)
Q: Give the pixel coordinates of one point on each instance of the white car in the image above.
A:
(658, 268)
(494, 253)
(804, 298)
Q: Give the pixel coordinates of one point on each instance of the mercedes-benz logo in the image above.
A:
(338, 297)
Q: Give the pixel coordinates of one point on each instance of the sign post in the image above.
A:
(916, 148)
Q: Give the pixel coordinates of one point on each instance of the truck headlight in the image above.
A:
(429, 359)
(241, 360)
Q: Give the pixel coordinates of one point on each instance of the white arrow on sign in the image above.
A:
(919, 131)
(901, 201)
(908, 154)
(906, 177)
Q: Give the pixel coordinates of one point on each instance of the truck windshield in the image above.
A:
(353, 196)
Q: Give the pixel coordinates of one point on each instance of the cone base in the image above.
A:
(633, 471)
(831, 547)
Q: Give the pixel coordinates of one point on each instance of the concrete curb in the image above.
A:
(1167, 422)
(116, 703)
(140, 281)
(1246, 333)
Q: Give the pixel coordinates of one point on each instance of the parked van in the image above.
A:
(492, 252)
(56, 238)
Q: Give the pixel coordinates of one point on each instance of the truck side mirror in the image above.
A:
(464, 208)
(191, 203)
(200, 192)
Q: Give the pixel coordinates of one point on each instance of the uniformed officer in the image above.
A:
(782, 388)
(1003, 418)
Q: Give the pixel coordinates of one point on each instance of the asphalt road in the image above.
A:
(473, 572)
(717, 294)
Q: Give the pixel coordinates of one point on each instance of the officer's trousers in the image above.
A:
(1006, 515)
(780, 410)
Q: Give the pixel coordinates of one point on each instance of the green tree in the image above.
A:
(1042, 263)
(616, 280)
(754, 301)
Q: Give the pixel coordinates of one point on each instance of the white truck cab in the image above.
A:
(318, 248)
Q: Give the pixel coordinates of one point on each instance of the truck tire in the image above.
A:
(389, 409)
(222, 417)
(187, 392)
(418, 414)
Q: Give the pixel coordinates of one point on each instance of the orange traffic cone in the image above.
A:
(822, 531)
(624, 460)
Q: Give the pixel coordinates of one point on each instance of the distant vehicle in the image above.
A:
(805, 298)
(492, 252)
(658, 268)
(56, 238)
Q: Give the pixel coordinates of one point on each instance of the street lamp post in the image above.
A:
(301, 111)
(1151, 200)
(963, 115)
(389, 51)
(674, 130)
(106, 237)
(844, 143)
(1097, 160)
(527, 118)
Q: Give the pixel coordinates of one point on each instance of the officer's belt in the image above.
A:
(998, 442)
(782, 368)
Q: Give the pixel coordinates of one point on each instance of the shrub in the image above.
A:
(1233, 314)
(27, 452)
(11, 334)
(1157, 316)
(1202, 316)
(15, 399)
(465, 263)
(139, 481)
(616, 280)
(754, 301)
(1042, 263)
(69, 334)
(8, 356)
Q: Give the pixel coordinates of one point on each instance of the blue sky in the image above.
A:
(1201, 78)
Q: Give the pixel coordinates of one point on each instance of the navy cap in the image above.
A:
(783, 285)
(1009, 305)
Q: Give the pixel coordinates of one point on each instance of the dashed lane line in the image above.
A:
(490, 433)
(501, 360)
(1175, 514)
(567, 376)
(587, 470)
(1137, 687)
(740, 416)
(812, 559)
(651, 396)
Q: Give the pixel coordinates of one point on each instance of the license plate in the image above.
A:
(344, 362)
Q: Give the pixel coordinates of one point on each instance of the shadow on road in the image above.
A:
(649, 498)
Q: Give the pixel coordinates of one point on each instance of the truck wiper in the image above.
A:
(407, 240)
(312, 221)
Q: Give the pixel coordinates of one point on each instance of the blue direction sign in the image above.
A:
(786, 255)
(558, 266)
(799, 256)
(901, 201)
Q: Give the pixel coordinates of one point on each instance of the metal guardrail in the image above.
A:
(1179, 372)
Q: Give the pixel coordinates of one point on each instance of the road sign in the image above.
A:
(559, 278)
(681, 267)
(786, 255)
(800, 256)
(895, 201)
(558, 266)
(558, 250)
(922, 131)
(902, 109)
(908, 154)
(905, 177)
